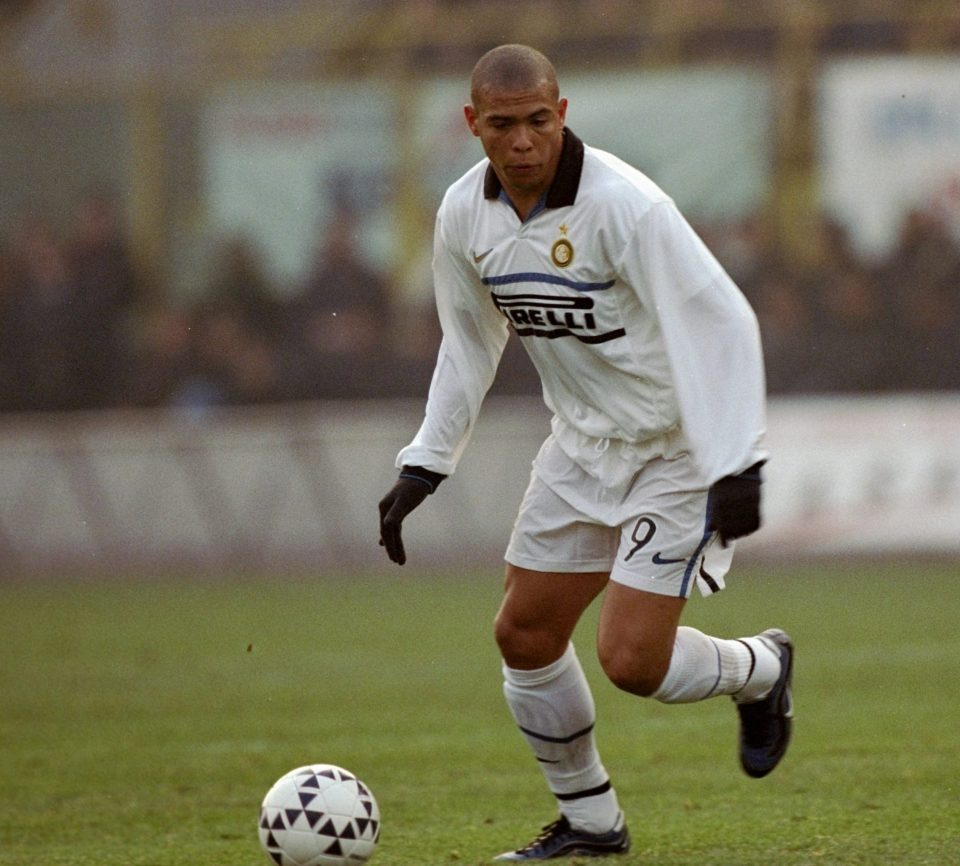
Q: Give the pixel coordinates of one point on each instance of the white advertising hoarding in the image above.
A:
(274, 154)
(274, 488)
(889, 139)
(279, 159)
(704, 135)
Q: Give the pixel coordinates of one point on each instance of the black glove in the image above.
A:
(735, 504)
(413, 486)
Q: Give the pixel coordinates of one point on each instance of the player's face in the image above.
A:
(522, 134)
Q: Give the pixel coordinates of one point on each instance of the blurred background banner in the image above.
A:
(283, 162)
(704, 134)
(890, 131)
(215, 242)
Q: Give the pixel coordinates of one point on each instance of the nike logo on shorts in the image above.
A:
(659, 560)
(481, 256)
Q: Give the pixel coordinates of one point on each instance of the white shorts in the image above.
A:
(648, 532)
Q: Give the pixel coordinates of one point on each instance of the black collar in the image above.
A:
(566, 182)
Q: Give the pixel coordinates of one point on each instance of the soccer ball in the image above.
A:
(319, 815)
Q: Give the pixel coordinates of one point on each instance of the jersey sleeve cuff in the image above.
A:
(430, 478)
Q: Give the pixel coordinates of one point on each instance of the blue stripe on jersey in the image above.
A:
(530, 277)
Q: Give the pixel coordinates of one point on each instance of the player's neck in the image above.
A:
(524, 202)
(527, 200)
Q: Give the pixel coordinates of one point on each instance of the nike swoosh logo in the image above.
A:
(482, 256)
(659, 560)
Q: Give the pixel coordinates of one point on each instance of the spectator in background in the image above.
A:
(849, 348)
(39, 329)
(785, 317)
(339, 319)
(836, 249)
(223, 350)
(239, 283)
(825, 325)
(228, 363)
(161, 358)
(7, 369)
(745, 249)
(106, 290)
(926, 345)
(922, 280)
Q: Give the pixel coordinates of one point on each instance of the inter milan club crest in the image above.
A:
(562, 250)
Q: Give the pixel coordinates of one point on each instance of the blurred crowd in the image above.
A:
(79, 328)
(843, 325)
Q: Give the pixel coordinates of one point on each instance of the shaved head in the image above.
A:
(512, 68)
(518, 115)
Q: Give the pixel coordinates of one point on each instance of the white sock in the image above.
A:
(704, 666)
(554, 710)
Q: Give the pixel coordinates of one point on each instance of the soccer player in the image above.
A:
(651, 363)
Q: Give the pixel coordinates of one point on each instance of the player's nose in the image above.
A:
(522, 139)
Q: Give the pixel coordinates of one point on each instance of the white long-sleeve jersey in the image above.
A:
(643, 343)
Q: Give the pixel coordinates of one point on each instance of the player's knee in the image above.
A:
(504, 633)
(636, 674)
(525, 646)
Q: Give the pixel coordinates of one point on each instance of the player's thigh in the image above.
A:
(539, 612)
(635, 636)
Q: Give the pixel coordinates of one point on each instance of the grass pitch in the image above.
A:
(142, 721)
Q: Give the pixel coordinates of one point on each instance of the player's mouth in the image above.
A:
(523, 169)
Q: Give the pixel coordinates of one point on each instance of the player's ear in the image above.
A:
(562, 110)
(470, 113)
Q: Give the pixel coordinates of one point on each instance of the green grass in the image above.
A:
(141, 722)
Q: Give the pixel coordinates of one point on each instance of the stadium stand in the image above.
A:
(86, 327)
(116, 293)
